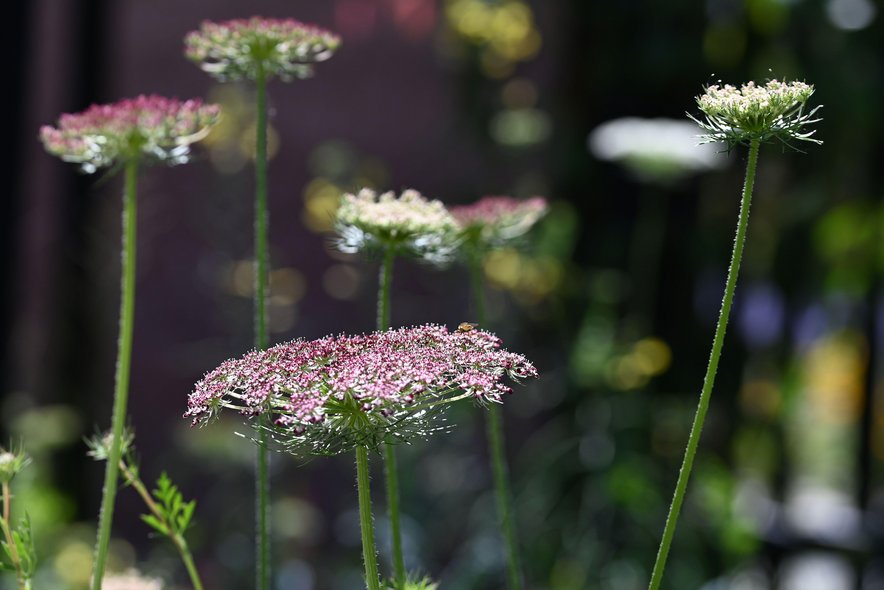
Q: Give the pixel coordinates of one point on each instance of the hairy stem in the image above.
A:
(262, 459)
(717, 343)
(497, 448)
(177, 540)
(369, 553)
(124, 358)
(23, 583)
(390, 469)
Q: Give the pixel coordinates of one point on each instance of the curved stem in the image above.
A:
(124, 357)
(369, 553)
(709, 380)
(177, 540)
(262, 459)
(391, 471)
(496, 447)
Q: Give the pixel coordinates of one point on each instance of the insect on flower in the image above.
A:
(466, 327)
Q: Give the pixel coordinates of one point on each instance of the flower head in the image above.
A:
(246, 48)
(150, 127)
(654, 150)
(11, 463)
(409, 223)
(326, 396)
(131, 580)
(752, 112)
(496, 220)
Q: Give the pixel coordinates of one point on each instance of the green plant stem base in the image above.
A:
(717, 343)
(366, 525)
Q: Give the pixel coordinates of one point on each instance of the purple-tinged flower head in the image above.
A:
(148, 127)
(247, 48)
(329, 395)
(409, 223)
(752, 112)
(495, 220)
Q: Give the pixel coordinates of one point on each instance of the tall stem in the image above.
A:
(391, 470)
(262, 459)
(369, 553)
(496, 447)
(124, 357)
(709, 380)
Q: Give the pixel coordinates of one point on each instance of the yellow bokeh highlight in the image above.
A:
(834, 374)
(761, 398)
(321, 200)
(505, 30)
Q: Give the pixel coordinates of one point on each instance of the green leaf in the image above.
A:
(155, 523)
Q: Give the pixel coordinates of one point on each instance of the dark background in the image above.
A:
(787, 490)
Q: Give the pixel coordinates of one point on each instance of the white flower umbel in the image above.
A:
(751, 112)
(654, 150)
(408, 224)
(131, 580)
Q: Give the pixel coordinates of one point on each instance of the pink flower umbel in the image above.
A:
(239, 49)
(496, 220)
(329, 395)
(149, 127)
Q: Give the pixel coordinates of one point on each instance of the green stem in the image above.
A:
(177, 539)
(23, 583)
(494, 431)
(262, 459)
(709, 380)
(391, 471)
(369, 553)
(124, 357)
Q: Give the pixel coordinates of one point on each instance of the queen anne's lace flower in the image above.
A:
(752, 112)
(239, 49)
(326, 396)
(410, 224)
(151, 127)
(496, 220)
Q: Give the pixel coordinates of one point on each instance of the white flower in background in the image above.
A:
(655, 150)
(131, 580)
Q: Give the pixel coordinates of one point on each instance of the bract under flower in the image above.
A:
(150, 127)
(329, 395)
(240, 49)
(752, 112)
(409, 223)
(496, 220)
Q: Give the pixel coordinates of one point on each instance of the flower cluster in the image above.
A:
(762, 113)
(146, 126)
(326, 396)
(247, 48)
(654, 150)
(410, 224)
(11, 463)
(495, 220)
